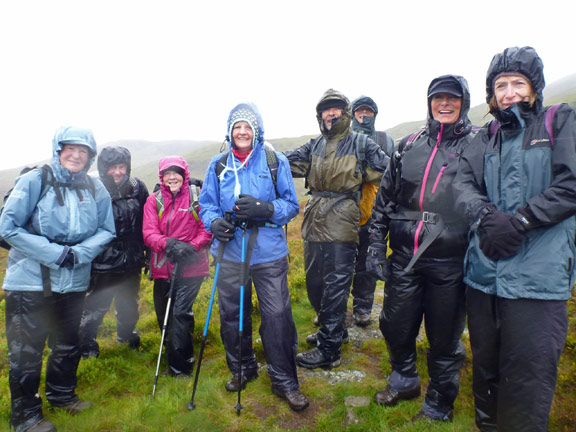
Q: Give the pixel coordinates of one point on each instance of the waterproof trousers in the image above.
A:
(516, 346)
(123, 288)
(329, 270)
(432, 291)
(178, 342)
(31, 319)
(364, 284)
(277, 329)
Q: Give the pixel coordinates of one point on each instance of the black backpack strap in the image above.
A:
(360, 150)
(49, 181)
(221, 164)
(273, 164)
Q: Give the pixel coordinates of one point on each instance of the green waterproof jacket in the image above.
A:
(335, 175)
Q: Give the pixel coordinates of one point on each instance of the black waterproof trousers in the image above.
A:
(277, 329)
(30, 319)
(178, 342)
(329, 271)
(516, 346)
(432, 291)
(123, 288)
(364, 284)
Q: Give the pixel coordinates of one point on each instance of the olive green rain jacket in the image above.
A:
(335, 173)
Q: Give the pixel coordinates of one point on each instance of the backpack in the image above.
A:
(271, 160)
(47, 181)
(194, 186)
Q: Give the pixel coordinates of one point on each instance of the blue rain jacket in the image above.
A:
(41, 231)
(254, 179)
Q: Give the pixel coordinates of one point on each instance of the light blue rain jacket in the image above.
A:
(41, 231)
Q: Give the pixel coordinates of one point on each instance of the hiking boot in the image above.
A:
(390, 397)
(361, 320)
(233, 386)
(316, 321)
(423, 417)
(89, 349)
(76, 407)
(133, 341)
(42, 426)
(316, 359)
(170, 373)
(312, 339)
(296, 399)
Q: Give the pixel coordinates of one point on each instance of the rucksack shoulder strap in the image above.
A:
(549, 120)
(221, 164)
(48, 181)
(360, 150)
(159, 203)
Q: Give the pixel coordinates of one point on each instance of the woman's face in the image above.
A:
(74, 157)
(511, 89)
(242, 136)
(172, 180)
(117, 172)
(445, 107)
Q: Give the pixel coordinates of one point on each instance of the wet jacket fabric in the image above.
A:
(330, 165)
(518, 167)
(420, 179)
(253, 177)
(42, 232)
(175, 222)
(126, 251)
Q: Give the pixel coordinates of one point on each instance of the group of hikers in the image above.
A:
(459, 221)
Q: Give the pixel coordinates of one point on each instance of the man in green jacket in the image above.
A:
(335, 173)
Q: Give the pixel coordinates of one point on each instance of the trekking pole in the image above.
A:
(170, 290)
(241, 317)
(191, 405)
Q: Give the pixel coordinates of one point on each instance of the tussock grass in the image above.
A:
(120, 381)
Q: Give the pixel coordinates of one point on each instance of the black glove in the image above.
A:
(502, 235)
(179, 251)
(68, 261)
(247, 207)
(222, 229)
(376, 262)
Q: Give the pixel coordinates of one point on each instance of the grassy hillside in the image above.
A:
(120, 381)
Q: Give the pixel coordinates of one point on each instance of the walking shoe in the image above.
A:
(180, 375)
(296, 399)
(422, 417)
(76, 407)
(316, 321)
(133, 341)
(316, 359)
(90, 349)
(312, 339)
(390, 397)
(233, 386)
(361, 320)
(42, 426)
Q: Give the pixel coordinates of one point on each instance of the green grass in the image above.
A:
(120, 381)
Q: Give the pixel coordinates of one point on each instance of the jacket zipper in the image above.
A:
(423, 188)
(168, 231)
(438, 178)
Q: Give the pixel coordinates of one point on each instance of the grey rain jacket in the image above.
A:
(519, 167)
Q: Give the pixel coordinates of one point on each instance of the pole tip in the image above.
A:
(191, 406)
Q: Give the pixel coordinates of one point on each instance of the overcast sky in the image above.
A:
(160, 70)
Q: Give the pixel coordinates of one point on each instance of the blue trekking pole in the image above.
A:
(241, 317)
(221, 245)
